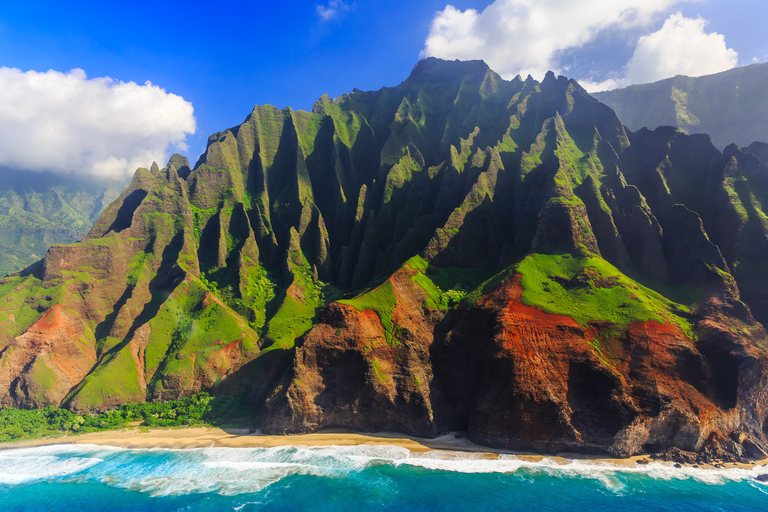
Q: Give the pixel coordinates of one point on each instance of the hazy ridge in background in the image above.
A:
(732, 106)
(39, 209)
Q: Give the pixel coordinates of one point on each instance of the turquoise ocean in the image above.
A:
(83, 478)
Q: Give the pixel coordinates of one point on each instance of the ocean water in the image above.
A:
(84, 478)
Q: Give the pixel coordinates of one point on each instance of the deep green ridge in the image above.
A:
(194, 279)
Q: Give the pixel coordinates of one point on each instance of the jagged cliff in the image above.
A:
(457, 252)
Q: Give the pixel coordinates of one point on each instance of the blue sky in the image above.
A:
(225, 57)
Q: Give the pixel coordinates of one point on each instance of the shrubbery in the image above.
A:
(201, 409)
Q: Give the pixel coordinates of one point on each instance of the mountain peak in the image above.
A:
(434, 69)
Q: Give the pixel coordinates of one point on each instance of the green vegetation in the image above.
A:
(116, 376)
(381, 300)
(257, 287)
(293, 318)
(200, 217)
(43, 375)
(400, 174)
(39, 210)
(137, 267)
(454, 164)
(201, 409)
(576, 164)
(187, 332)
(381, 377)
(298, 310)
(446, 287)
(23, 299)
(589, 288)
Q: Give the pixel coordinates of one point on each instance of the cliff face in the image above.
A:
(525, 377)
(456, 252)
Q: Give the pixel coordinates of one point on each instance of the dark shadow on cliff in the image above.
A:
(459, 352)
(169, 275)
(127, 209)
(592, 392)
(255, 381)
(105, 327)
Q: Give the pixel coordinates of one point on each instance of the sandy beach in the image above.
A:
(205, 437)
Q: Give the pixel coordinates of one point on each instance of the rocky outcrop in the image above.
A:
(46, 361)
(351, 370)
(514, 376)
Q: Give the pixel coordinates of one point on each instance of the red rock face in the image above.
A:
(45, 362)
(514, 376)
(345, 372)
(549, 384)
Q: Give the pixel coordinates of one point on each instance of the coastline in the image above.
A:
(206, 437)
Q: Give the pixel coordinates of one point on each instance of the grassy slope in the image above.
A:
(589, 288)
(444, 289)
(381, 300)
(21, 300)
(585, 288)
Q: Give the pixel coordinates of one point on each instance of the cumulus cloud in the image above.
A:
(527, 36)
(66, 122)
(680, 47)
(331, 9)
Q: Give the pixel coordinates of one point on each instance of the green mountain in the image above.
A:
(732, 106)
(459, 252)
(38, 210)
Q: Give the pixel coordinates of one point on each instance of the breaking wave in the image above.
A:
(232, 471)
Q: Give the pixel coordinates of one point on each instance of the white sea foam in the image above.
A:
(599, 470)
(18, 466)
(230, 471)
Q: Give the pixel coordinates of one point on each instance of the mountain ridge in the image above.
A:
(456, 252)
(38, 209)
(730, 106)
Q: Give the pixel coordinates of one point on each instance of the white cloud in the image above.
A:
(527, 36)
(603, 85)
(65, 122)
(334, 7)
(680, 47)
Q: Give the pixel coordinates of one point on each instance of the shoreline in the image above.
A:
(185, 438)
